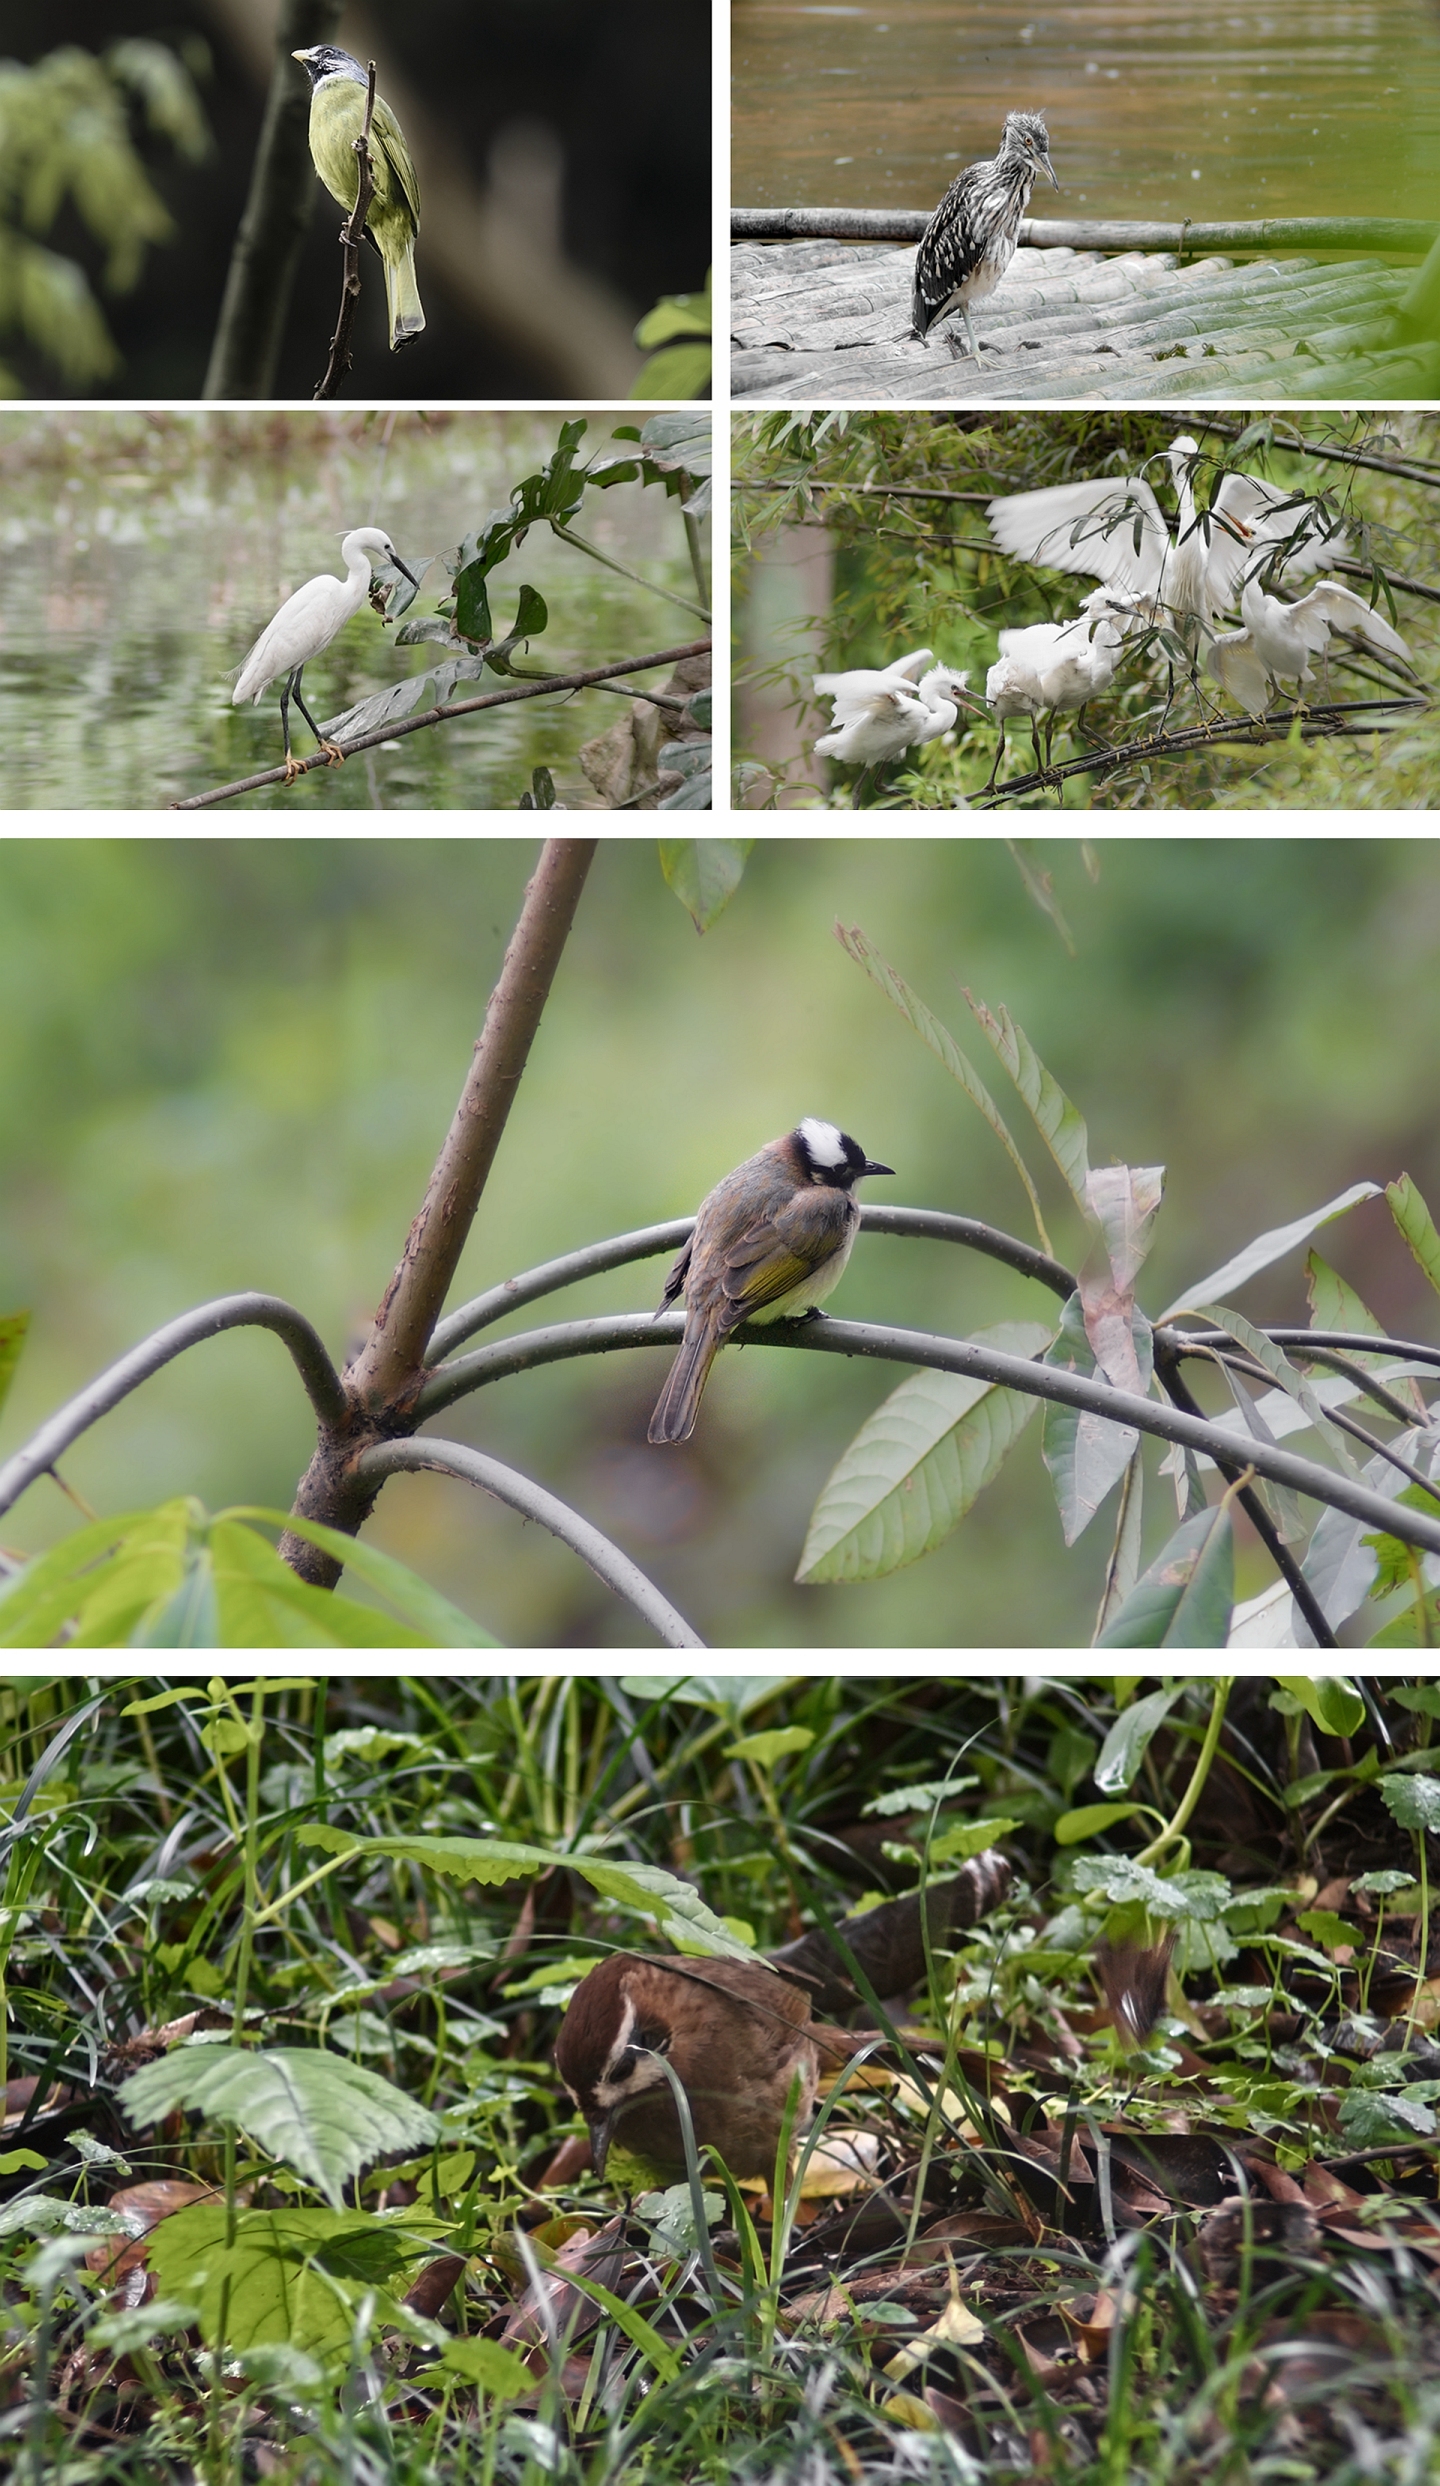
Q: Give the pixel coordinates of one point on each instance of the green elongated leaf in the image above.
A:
(319, 2113)
(1334, 1705)
(969, 1838)
(704, 873)
(1130, 1738)
(43, 1598)
(637, 2330)
(1282, 1371)
(1334, 1303)
(13, 1329)
(1091, 1821)
(484, 2362)
(1086, 1454)
(942, 1044)
(1265, 1249)
(1184, 1600)
(916, 1466)
(292, 2277)
(770, 1746)
(675, 371)
(675, 315)
(1413, 1801)
(647, 1889)
(1058, 1122)
(1416, 1225)
(434, 1621)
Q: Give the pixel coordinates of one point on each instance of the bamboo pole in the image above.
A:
(1397, 236)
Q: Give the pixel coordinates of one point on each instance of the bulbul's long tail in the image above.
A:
(679, 1402)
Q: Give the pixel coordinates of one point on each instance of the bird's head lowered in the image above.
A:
(608, 2049)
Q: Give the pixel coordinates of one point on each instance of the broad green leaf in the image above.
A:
(968, 1838)
(1202, 1898)
(485, 2363)
(1328, 1929)
(1370, 2117)
(1416, 1225)
(646, 1889)
(1265, 1249)
(1085, 1454)
(772, 1746)
(40, 1601)
(916, 1466)
(1184, 1600)
(440, 1624)
(319, 2113)
(291, 2278)
(1130, 1738)
(13, 1326)
(1334, 1705)
(704, 873)
(1091, 1821)
(1413, 1800)
(675, 371)
(1060, 1125)
(942, 1044)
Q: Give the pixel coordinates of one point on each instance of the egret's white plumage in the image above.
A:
(1278, 639)
(306, 623)
(1112, 528)
(1049, 666)
(845, 688)
(880, 715)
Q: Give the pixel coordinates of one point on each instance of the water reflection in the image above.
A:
(144, 555)
(1157, 109)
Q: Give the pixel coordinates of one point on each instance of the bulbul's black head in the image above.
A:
(326, 60)
(826, 1155)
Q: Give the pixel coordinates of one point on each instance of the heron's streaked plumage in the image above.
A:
(970, 240)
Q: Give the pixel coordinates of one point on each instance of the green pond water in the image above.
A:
(1161, 109)
(143, 555)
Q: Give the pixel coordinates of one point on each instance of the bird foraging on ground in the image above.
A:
(305, 624)
(769, 1243)
(338, 94)
(1278, 640)
(970, 240)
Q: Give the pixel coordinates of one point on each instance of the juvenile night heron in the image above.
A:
(970, 240)
(1278, 639)
(311, 618)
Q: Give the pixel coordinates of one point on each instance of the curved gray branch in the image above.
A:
(593, 1259)
(533, 1502)
(210, 1320)
(826, 1336)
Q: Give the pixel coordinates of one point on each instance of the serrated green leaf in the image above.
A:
(1413, 1801)
(1059, 1123)
(704, 873)
(320, 2113)
(1185, 1599)
(916, 1466)
(1416, 1225)
(646, 1889)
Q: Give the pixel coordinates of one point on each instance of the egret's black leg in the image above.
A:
(989, 786)
(332, 751)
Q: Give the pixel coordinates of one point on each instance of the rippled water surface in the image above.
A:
(1162, 109)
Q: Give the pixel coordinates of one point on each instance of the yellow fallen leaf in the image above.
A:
(956, 2328)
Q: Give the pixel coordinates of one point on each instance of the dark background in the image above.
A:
(625, 89)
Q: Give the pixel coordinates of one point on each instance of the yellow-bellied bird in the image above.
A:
(338, 87)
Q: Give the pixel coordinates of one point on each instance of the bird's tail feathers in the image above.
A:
(679, 1402)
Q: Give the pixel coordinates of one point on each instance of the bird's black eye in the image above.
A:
(653, 2041)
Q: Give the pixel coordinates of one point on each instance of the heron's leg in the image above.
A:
(331, 751)
(858, 787)
(989, 785)
(293, 767)
(970, 337)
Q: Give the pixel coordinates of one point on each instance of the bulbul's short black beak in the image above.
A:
(871, 1167)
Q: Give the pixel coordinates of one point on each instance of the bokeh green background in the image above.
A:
(228, 1064)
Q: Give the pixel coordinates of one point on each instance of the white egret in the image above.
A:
(970, 240)
(1049, 666)
(879, 716)
(1112, 527)
(1279, 639)
(305, 624)
(845, 687)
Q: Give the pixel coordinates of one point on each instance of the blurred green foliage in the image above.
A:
(229, 1063)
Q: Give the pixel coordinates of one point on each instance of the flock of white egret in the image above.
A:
(1152, 580)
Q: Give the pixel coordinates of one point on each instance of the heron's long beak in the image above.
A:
(1054, 176)
(405, 566)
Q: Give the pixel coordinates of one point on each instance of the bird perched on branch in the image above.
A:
(970, 240)
(880, 715)
(769, 1243)
(311, 618)
(741, 2036)
(1050, 666)
(1278, 639)
(1112, 527)
(338, 92)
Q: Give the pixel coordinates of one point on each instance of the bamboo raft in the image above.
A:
(1093, 312)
